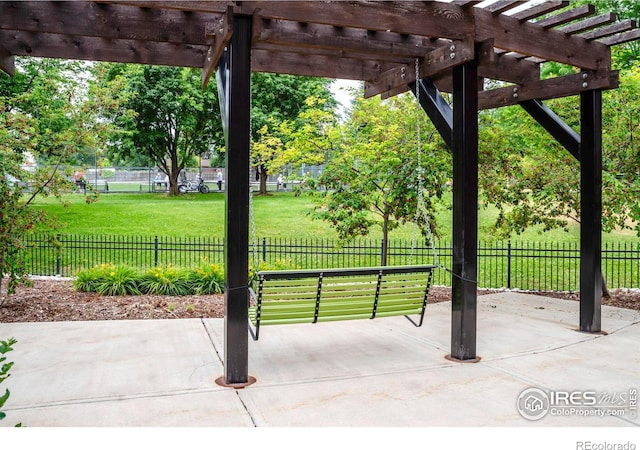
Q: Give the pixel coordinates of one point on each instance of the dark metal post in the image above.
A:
(509, 264)
(155, 252)
(465, 212)
(591, 211)
(237, 113)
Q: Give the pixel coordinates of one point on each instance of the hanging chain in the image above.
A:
(421, 209)
(252, 217)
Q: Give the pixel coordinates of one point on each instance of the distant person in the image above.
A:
(80, 181)
(219, 179)
(279, 182)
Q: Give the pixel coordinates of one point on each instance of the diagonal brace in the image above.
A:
(562, 132)
(436, 107)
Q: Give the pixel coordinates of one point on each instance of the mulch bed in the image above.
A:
(55, 300)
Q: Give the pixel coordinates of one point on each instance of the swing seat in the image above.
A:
(323, 295)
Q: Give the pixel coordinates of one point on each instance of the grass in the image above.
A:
(279, 214)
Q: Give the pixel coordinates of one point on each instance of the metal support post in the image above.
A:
(591, 211)
(465, 212)
(236, 79)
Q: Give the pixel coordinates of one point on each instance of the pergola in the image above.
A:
(459, 46)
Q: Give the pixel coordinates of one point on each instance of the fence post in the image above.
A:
(58, 262)
(155, 252)
(509, 264)
(264, 250)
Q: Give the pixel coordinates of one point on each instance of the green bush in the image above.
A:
(89, 280)
(207, 279)
(165, 281)
(120, 281)
(107, 279)
(279, 264)
(5, 347)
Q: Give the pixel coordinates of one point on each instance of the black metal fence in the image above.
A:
(539, 266)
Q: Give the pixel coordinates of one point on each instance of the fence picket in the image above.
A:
(522, 265)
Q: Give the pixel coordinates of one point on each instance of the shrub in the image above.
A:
(279, 264)
(119, 281)
(89, 280)
(5, 347)
(107, 279)
(165, 281)
(207, 279)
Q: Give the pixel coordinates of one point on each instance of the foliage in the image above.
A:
(163, 114)
(206, 279)
(627, 55)
(533, 180)
(118, 280)
(374, 180)
(89, 280)
(165, 280)
(5, 347)
(46, 116)
(109, 279)
(281, 105)
(279, 264)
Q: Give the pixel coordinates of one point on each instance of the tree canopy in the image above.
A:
(164, 114)
(47, 114)
(373, 180)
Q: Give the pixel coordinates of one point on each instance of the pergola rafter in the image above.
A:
(459, 46)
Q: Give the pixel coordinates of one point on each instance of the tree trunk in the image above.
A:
(385, 240)
(263, 180)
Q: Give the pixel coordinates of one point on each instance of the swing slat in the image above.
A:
(310, 296)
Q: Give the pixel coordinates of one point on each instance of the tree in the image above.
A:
(373, 181)
(533, 180)
(164, 114)
(281, 105)
(46, 115)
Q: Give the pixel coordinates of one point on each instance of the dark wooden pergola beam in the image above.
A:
(557, 87)
(567, 16)
(314, 36)
(328, 66)
(530, 39)
(540, 9)
(491, 65)
(431, 19)
(436, 61)
(109, 21)
(616, 28)
(7, 61)
(588, 24)
(622, 38)
(97, 49)
(220, 33)
(501, 6)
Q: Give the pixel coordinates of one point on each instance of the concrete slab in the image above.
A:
(380, 373)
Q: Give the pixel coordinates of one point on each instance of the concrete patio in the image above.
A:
(368, 373)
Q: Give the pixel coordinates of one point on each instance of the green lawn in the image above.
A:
(279, 214)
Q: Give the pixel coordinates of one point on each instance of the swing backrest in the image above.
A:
(310, 296)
